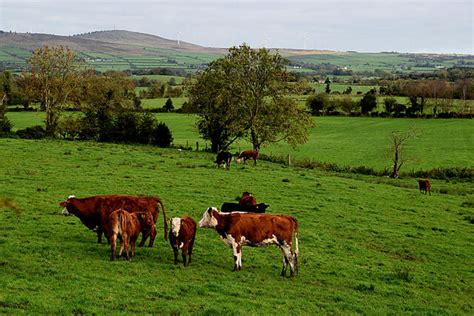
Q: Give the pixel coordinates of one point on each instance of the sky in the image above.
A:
(436, 26)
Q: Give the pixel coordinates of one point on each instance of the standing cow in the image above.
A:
(248, 154)
(94, 212)
(223, 158)
(182, 235)
(424, 185)
(127, 226)
(240, 229)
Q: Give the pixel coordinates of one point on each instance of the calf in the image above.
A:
(127, 226)
(424, 185)
(248, 154)
(235, 207)
(239, 229)
(223, 158)
(182, 235)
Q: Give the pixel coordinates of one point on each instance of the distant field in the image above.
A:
(345, 141)
(162, 78)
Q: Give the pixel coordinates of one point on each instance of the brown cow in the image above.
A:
(94, 211)
(182, 235)
(424, 185)
(248, 154)
(247, 199)
(127, 226)
(239, 229)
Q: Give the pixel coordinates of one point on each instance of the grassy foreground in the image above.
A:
(365, 247)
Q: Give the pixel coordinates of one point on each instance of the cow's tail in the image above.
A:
(121, 222)
(296, 229)
(165, 222)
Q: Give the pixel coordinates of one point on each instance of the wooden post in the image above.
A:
(289, 160)
(197, 146)
(187, 144)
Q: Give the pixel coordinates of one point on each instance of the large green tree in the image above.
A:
(55, 74)
(243, 95)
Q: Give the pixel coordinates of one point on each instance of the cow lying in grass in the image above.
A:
(182, 235)
(240, 229)
(236, 207)
(127, 226)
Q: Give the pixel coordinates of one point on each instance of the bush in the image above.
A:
(5, 125)
(162, 135)
(69, 127)
(35, 132)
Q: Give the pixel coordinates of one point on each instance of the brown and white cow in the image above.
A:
(182, 235)
(424, 185)
(94, 212)
(248, 154)
(247, 199)
(240, 229)
(127, 226)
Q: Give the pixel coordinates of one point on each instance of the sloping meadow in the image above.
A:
(365, 247)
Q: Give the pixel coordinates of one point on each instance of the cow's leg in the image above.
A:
(144, 238)
(99, 235)
(152, 236)
(113, 247)
(121, 246)
(126, 242)
(184, 252)
(237, 249)
(175, 252)
(288, 259)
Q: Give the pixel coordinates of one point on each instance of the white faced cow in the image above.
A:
(239, 229)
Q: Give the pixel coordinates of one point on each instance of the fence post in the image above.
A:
(197, 146)
(289, 160)
(187, 144)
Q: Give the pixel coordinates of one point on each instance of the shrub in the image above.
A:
(5, 125)
(34, 132)
(69, 127)
(162, 135)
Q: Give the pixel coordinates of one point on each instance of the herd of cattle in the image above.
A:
(225, 158)
(124, 217)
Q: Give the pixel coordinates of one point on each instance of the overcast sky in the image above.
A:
(444, 26)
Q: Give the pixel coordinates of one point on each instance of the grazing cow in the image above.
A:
(235, 207)
(247, 199)
(424, 185)
(239, 229)
(223, 158)
(248, 154)
(182, 235)
(94, 212)
(127, 226)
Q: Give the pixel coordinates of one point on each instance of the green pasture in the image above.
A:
(365, 247)
(162, 78)
(337, 87)
(346, 141)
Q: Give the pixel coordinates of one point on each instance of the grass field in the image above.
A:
(365, 247)
(347, 141)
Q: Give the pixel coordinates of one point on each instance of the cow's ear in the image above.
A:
(63, 203)
(209, 210)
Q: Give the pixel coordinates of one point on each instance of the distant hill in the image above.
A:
(118, 42)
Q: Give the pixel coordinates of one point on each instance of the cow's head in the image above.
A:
(66, 204)
(261, 207)
(175, 225)
(146, 220)
(208, 220)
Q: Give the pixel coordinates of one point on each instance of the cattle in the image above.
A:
(240, 229)
(127, 226)
(424, 185)
(246, 155)
(94, 212)
(223, 158)
(182, 235)
(236, 207)
(247, 199)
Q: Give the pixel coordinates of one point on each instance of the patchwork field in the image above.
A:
(365, 246)
(346, 141)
